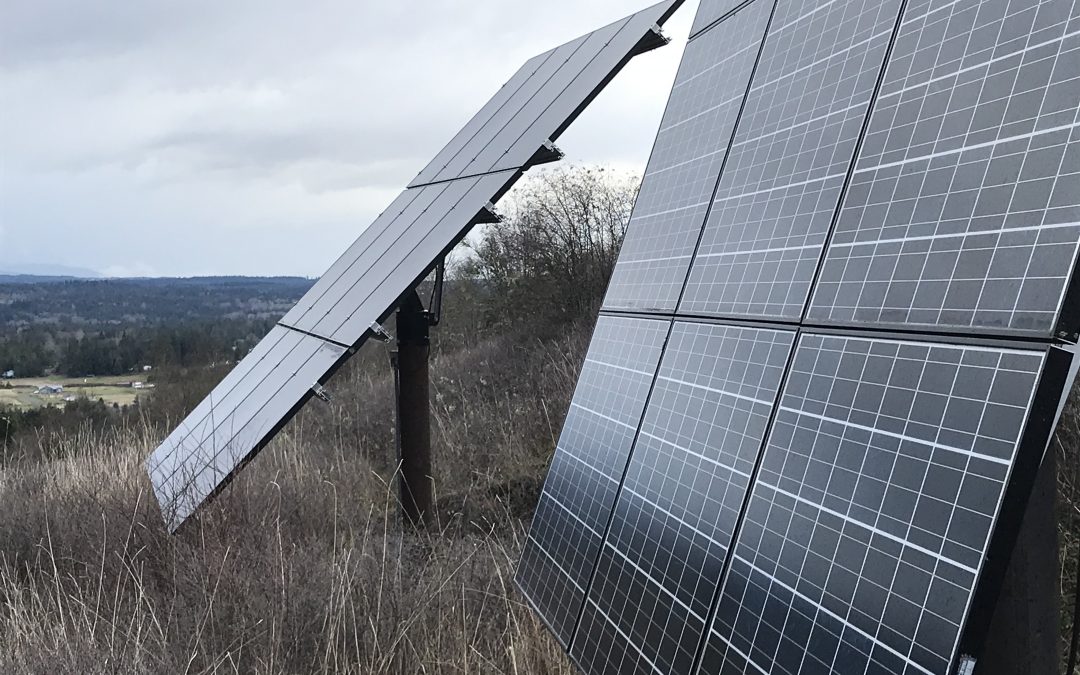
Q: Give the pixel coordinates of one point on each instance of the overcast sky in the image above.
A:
(260, 137)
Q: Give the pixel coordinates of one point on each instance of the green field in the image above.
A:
(22, 392)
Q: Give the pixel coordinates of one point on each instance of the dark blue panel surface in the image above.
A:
(660, 565)
(589, 462)
(685, 163)
(788, 163)
(868, 525)
(964, 208)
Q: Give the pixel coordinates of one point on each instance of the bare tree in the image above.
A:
(550, 260)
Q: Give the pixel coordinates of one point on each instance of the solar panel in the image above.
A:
(588, 466)
(511, 133)
(711, 11)
(686, 159)
(831, 469)
(681, 498)
(964, 208)
(788, 162)
(871, 515)
(544, 97)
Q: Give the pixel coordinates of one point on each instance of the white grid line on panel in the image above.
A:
(565, 573)
(775, 249)
(630, 641)
(714, 390)
(614, 366)
(953, 235)
(555, 500)
(574, 404)
(898, 436)
(887, 535)
(967, 148)
(715, 462)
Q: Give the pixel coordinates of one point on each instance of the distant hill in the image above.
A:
(32, 279)
(71, 303)
(47, 272)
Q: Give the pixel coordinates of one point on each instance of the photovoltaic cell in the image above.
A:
(388, 259)
(661, 562)
(870, 519)
(964, 207)
(711, 11)
(587, 467)
(685, 164)
(791, 153)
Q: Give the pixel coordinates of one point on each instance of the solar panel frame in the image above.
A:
(1054, 387)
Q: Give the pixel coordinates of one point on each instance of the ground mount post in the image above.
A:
(410, 361)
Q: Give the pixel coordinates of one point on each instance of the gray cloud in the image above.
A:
(261, 137)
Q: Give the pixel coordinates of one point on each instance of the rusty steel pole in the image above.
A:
(413, 412)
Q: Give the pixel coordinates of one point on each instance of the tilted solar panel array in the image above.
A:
(858, 236)
(512, 132)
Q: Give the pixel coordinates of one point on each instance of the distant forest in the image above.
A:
(112, 327)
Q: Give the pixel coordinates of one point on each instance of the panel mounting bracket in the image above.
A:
(321, 393)
(654, 39)
(546, 154)
(966, 667)
(434, 310)
(486, 216)
(380, 333)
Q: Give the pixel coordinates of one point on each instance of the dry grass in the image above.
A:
(1067, 445)
(301, 565)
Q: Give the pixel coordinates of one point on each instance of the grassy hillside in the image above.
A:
(302, 565)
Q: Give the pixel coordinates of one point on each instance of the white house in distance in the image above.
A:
(50, 389)
(7, 375)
